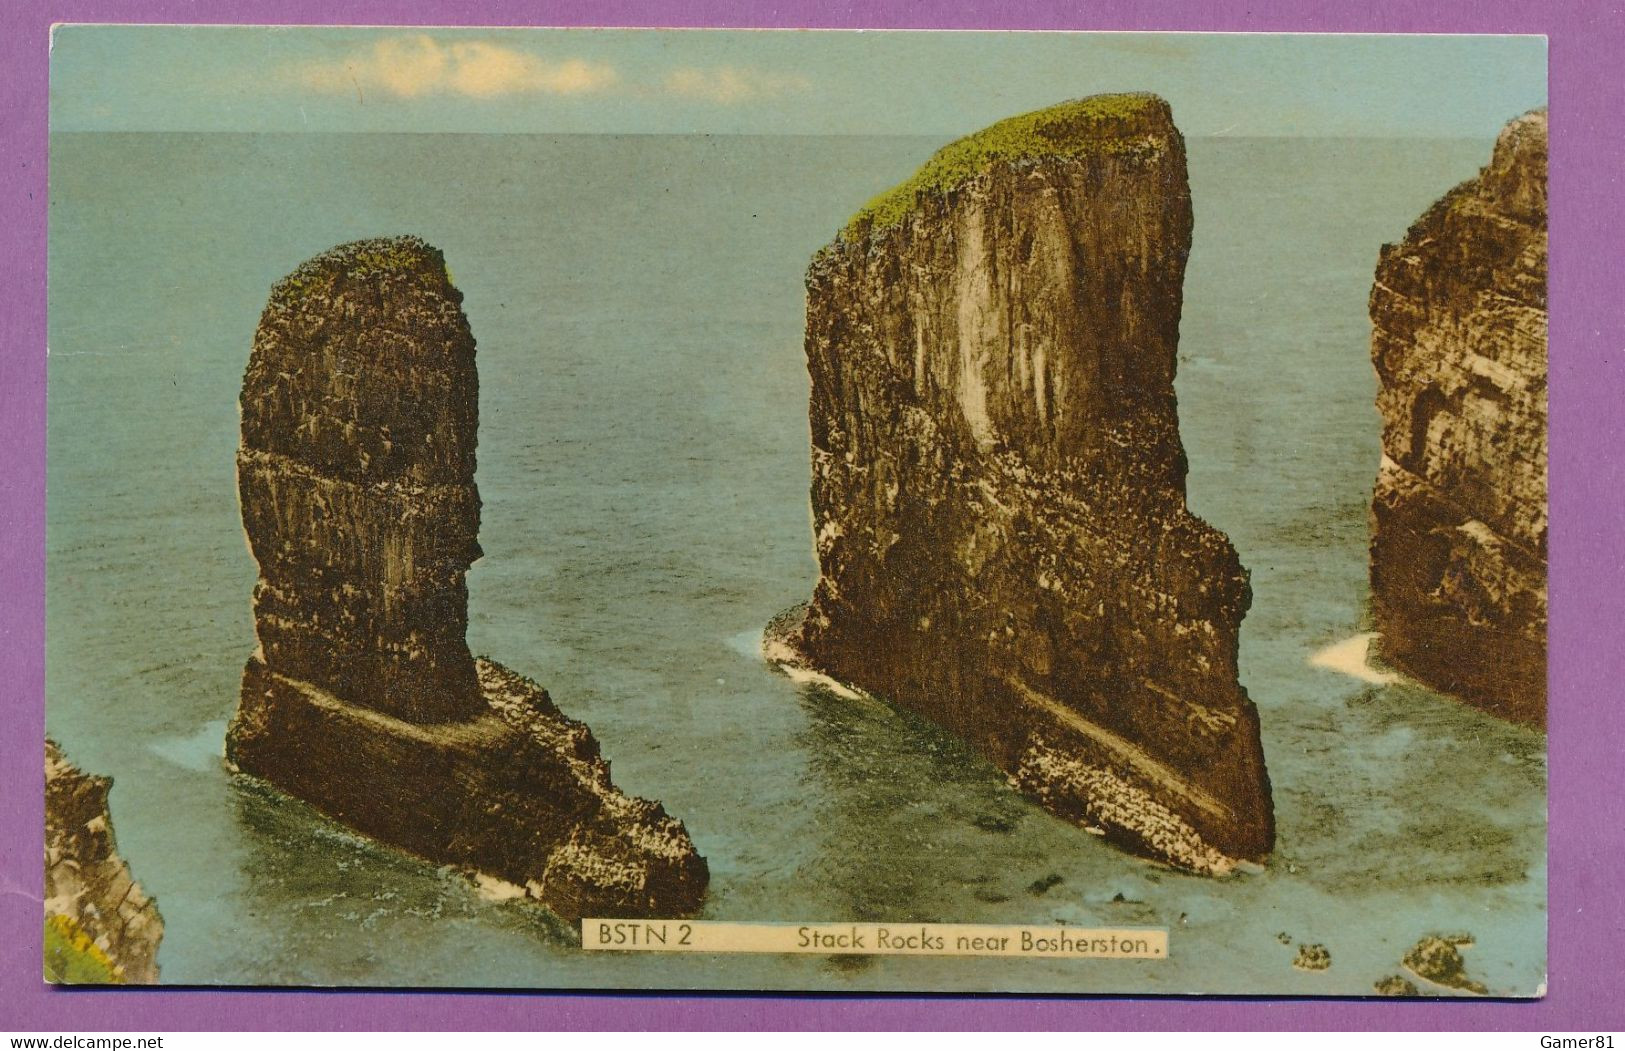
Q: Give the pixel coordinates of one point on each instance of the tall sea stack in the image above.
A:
(100, 926)
(356, 479)
(1458, 546)
(999, 485)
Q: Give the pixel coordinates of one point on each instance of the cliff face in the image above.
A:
(998, 480)
(1458, 548)
(356, 476)
(100, 926)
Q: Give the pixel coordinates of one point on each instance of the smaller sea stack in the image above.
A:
(356, 477)
(1458, 520)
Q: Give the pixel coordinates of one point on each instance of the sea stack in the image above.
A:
(356, 479)
(100, 926)
(998, 483)
(1458, 520)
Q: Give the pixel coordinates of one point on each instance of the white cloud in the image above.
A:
(731, 84)
(410, 66)
(414, 66)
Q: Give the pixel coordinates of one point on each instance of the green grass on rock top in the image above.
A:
(1082, 126)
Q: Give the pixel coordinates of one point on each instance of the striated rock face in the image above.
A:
(356, 478)
(999, 485)
(99, 924)
(356, 475)
(1458, 548)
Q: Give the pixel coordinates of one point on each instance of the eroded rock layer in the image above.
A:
(1458, 548)
(356, 475)
(999, 485)
(100, 926)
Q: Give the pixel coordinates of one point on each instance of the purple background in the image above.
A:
(1587, 722)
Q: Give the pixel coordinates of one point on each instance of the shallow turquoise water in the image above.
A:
(643, 460)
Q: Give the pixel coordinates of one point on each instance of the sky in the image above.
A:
(291, 79)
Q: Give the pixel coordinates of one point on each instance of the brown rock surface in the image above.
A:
(1438, 960)
(999, 484)
(1458, 548)
(356, 474)
(103, 922)
(1395, 985)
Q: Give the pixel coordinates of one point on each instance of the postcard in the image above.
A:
(810, 511)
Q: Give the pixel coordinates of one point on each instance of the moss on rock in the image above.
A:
(73, 958)
(1096, 124)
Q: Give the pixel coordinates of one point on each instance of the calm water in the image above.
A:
(643, 459)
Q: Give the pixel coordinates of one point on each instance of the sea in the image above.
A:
(643, 459)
